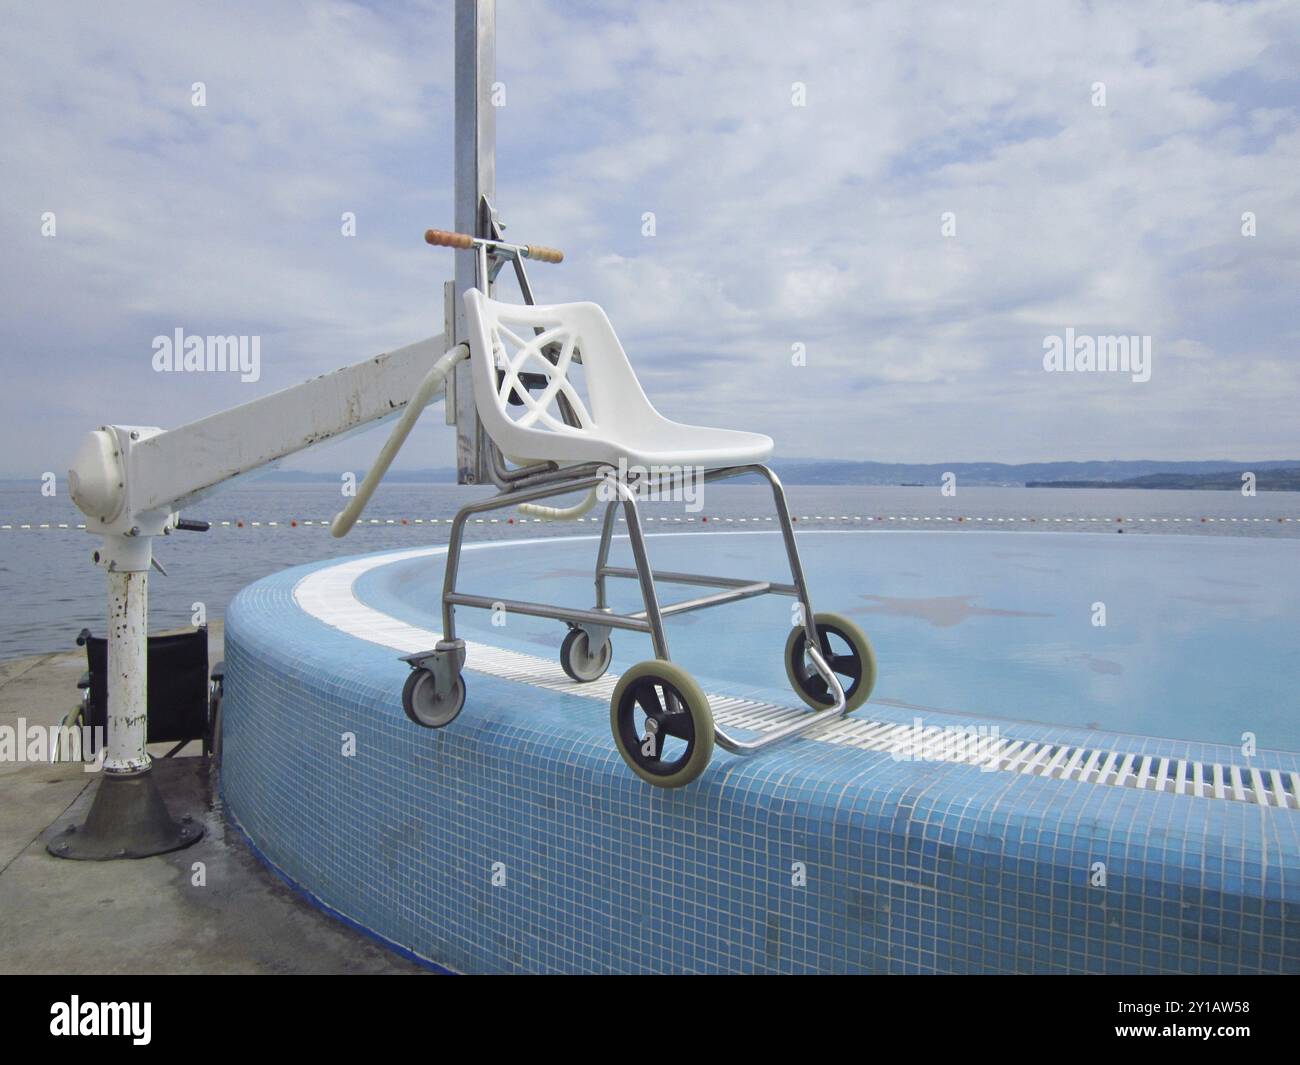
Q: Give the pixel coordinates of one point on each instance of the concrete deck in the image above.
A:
(153, 915)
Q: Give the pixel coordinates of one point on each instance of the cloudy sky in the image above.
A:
(775, 224)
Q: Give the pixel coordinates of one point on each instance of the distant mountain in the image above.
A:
(1096, 473)
(436, 476)
(1101, 471)
(1266, 480)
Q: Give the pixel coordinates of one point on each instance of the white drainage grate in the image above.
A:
(1055, 761)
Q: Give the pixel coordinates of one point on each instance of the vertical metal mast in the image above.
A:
(475, 35)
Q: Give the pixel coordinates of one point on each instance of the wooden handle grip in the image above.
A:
(546, 255)
(445, 239)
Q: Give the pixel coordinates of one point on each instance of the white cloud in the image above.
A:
(776, 224)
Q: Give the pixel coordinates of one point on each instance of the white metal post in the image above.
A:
(128, 679)
(475, 35)
(128, 817)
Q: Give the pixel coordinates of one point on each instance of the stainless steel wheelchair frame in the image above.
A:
(533, 483)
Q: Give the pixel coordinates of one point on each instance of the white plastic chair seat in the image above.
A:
(616, 419)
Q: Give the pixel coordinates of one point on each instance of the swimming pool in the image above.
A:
(1119, 825)
(1200, 641)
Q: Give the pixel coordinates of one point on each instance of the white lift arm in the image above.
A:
(114, 482)
(130, 482)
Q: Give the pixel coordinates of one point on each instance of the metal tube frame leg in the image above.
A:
(645, 575)
(787, 535)
(447, 658)
(803, 724)
(792, 554)
(451, 572)
(602, 555)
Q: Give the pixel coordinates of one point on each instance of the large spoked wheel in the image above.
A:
(579, 660)
(662, 723)
(846, 650)
(427, 706)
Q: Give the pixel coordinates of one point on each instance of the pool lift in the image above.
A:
(545, 404)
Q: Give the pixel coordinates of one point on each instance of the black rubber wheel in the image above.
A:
(578, 661)
(847, 651)
(428, 707)
(662, 724)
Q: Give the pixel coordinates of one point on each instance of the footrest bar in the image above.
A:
(796, 727)
(669, 577)
(746, 591)
(544, 610)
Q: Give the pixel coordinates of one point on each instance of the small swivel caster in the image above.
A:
(434, 693)
(427, 706)
(578, 658)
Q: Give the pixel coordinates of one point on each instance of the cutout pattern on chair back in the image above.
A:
(519, 353)
(552, 382)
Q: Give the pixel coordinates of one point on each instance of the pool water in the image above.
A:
(1183, 637)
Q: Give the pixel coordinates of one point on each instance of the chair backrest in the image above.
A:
(573, 347)
(178, 685)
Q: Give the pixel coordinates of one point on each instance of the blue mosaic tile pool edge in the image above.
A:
(516, 840)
